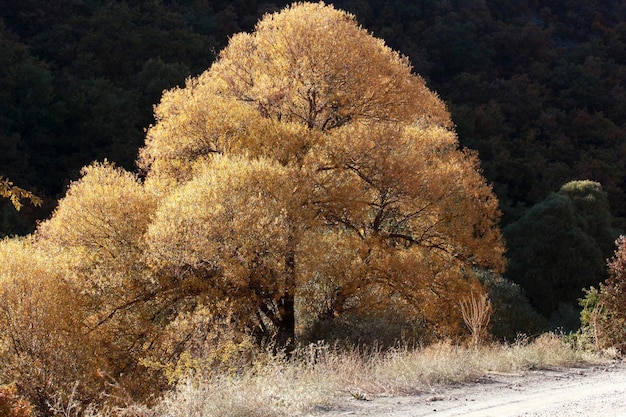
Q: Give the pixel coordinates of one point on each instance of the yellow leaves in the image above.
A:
(309, 66)
(104, 210)
(16, 194)
(366, 144)
(96, 237)
(206, 124)
(231, 219)
(210, 343)
(297, 67)
(105, 197)
(42, 340)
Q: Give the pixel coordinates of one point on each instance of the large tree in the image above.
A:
(307, 174)
(310, 156)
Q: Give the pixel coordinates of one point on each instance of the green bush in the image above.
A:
(512, 312)
(559, 247)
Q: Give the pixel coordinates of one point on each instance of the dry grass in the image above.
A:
(320, 376)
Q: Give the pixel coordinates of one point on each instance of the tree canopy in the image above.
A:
(326, 128)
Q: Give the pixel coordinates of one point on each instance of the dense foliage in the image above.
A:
(559, 247)
(604, 313)
(307, 175)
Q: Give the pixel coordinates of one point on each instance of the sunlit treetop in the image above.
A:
(314, 65)
(307, 70)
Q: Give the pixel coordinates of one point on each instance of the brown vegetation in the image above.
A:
(604, 311)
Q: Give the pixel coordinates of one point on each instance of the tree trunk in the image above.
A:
(286, 326)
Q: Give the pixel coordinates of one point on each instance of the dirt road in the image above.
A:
(598, 391)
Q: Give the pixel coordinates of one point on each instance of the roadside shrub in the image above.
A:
(604, 313)
(587, 337)
(512, 312)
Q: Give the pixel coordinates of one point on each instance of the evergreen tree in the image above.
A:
(560, 245)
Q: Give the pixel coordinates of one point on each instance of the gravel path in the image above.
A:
(598, 391)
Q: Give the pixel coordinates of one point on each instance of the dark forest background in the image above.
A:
(537, 87)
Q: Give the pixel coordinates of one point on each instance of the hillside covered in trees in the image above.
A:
(537, 87)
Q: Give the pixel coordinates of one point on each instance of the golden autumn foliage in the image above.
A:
(43, 345)
(97, 234)
(307, 174)
(203, 237)
(11, 405)
(361, 168)
(16, 194)
(311, 68)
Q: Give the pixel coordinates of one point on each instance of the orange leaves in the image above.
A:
(11, 405)
(95, 238)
